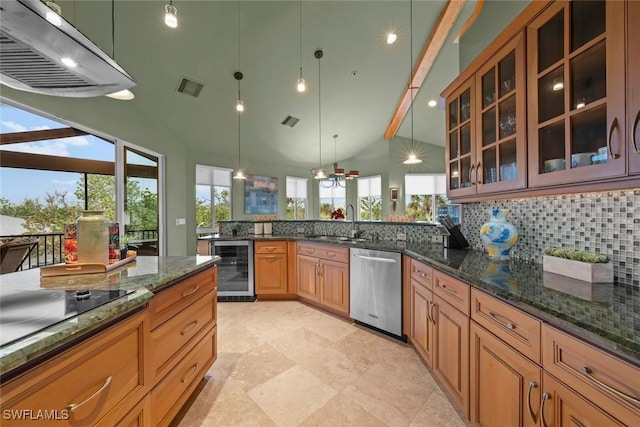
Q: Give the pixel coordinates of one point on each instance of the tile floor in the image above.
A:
(285, 364)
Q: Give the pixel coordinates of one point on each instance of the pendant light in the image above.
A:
(170, 15)
(239, 174)
(126, 94)
(238, 74)
(319, 173)
(300, 84)
(412, 159)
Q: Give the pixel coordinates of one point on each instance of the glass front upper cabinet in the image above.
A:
(501, 131)
(576, 92)
(461, 163)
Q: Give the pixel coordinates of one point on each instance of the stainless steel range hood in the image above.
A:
(31, 49)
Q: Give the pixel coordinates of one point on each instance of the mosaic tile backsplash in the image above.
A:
(607, 223)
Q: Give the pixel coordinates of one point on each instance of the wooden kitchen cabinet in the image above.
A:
(633, 86)
(505, 385)
(323, 275)
(576, 75)
(451, 355)
(422, 333)
(563, 407)
(102, 378)
(184, 345)
(271, 268)
(606, 382)
(461, 155)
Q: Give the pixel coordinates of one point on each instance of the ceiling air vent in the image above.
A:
(190, 87)
(290, 121)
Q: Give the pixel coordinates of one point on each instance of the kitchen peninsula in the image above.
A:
(137, 357)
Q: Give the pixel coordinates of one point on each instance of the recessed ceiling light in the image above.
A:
(391, 37)
(69, 62)
(54, 15)
(432, 103)
(122, 95)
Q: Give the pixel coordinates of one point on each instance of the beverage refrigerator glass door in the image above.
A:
(235, 270)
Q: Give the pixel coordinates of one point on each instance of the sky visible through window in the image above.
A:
(16, 185)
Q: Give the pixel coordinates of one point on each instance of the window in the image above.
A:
(296, 198)
(331, 199)
(370, 198)
(213, 197)
(423, 192)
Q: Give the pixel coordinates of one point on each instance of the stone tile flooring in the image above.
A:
(285, 364)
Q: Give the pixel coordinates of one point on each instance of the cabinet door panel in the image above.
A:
(422, 332)
(505, 386)
(308, 277)
(271, 273)
(335, 285)
(563, 407)
(451, 357)
(633, 85)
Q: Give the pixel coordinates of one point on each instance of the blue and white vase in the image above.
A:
(498, 235)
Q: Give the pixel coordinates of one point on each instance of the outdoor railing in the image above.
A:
(50, 246)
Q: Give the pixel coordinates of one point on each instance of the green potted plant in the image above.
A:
(587, 266)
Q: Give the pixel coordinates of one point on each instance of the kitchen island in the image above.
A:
(116, 362)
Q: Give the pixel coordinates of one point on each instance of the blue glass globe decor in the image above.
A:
(498, 235)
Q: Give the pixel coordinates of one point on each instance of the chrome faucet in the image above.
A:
(353, 220)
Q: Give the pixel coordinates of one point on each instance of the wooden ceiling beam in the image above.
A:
(39, 135)
(430, 52)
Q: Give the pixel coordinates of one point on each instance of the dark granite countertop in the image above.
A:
(606, 315)
(144, 276)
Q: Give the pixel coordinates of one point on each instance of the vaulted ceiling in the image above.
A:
(362, 77)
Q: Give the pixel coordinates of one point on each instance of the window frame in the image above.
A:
(297, 182)
(212, 192)
(437, 189)
(370, 196)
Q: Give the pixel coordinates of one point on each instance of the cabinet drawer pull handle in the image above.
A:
(451, 291)
(186, 377)
(433, 317)
(479, 180)
(309, 250)
(545, 397)
(73, 406)
(331, 254)
(271, 257)
(589, 374)
(614, 124)
(191, 292)
(633, 134)
(507, 325)
(576, 421)
(471, 173)
(270, 248)
(532, 385)
(429, 318)
(422, 273)
(189, 328)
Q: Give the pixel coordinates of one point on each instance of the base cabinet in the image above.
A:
(271, 267)
(308, 281)
(451, 356)
(422, 333)
(563, 407)
(505, 386)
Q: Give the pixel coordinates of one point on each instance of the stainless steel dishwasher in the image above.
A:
(376, 290)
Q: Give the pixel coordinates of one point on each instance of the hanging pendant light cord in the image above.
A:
(113, 31)
(239, 37)
(411, 65)
(239, 162)
(319, 117)
(300, 38)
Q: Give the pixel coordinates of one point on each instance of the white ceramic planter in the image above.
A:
(592, 273)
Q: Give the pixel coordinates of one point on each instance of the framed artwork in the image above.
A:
(260, 195)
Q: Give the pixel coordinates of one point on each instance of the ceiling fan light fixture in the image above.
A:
(170, 15)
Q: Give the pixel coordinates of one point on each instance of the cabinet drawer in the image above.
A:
(514, 327)
(171, 393)
(330, 252)
(603, 379)
(173, 335)
(103, 374)
(271, 247)
(452, 290)
(421, 273)
(173, 300)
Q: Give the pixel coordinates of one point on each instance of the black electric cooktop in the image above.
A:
(25, 312)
